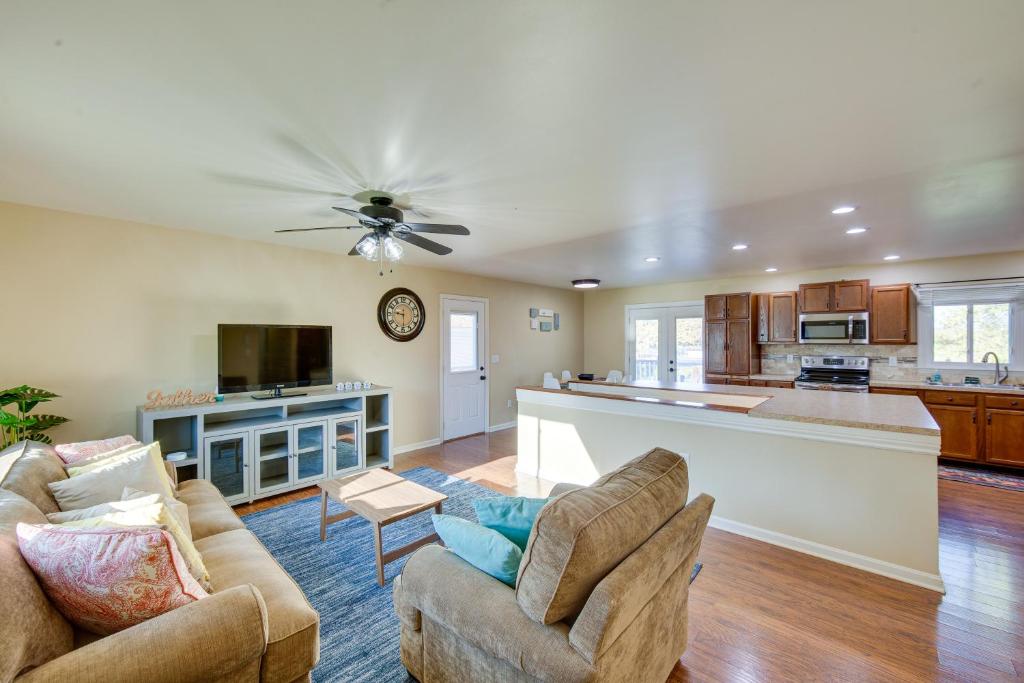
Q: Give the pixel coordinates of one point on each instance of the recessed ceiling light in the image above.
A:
(771, 270)
(652, 259)
(739, 247)
(892, 257)
(856, 231)
(586, 283)
(840, 210)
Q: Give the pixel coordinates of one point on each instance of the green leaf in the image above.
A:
(44, 422)
(8, 420)
(41, 438)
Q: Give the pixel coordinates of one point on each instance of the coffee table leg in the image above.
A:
(323, 516)
(377, 544)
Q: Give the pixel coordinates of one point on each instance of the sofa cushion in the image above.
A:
(142, 469)
(32, 630)
(579, 537)
(235, 558)
(208, 513)
(82, 450)
(26, 468)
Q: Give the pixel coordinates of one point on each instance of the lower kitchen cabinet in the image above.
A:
(959, 428)
(1004, 436)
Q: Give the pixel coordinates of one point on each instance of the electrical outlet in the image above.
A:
(790, 358)
(892, 361)
(510, 403)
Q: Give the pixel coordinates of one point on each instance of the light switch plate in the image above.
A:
(510, 403)
(495, 358)
(892, 361)
(790, 358)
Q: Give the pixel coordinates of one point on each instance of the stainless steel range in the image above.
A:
(834, 373)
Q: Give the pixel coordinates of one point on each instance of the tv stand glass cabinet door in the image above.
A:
(290, 455)
(226, 464)
(346, 445)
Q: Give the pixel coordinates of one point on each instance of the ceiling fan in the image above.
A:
(389, 230)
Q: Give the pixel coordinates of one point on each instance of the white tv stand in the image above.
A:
(252, 448)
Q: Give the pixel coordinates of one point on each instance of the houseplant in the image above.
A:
(18, 425)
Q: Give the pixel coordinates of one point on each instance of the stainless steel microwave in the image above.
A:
(834, 328)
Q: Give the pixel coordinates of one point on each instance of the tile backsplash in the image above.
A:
(773, 361)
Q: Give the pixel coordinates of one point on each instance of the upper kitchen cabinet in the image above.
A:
(893, 315)
(727, 306)
(776, 317)
(850, 296)
(834, 297)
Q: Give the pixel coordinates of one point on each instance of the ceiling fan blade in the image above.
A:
(422, 242)
(438, 228)
(362, 217)
(329, 227)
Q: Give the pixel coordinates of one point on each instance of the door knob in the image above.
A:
(483, 376)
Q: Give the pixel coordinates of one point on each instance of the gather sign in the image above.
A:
(181, 397)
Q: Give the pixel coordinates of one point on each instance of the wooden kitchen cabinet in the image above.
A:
(715, 307)
(850, 296)
(816, 298)
(778, 384)
(730, 343)
(782, 317)
(714, 347)
(1004, 436)
(844, 296)
(893, 315)
(958, 426)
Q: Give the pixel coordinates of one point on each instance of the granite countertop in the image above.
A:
(879, 412)
(911, 384)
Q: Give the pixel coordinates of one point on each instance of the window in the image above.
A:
(964, 333)
(462, 343)
(664, 342)
(647, 349)
(689, 349)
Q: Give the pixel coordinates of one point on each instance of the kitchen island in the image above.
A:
(843, 476)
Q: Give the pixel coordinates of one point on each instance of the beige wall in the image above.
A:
(604, 310)
(102, 311)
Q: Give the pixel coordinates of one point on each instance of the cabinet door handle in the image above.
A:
(988, 418)
(974, 418)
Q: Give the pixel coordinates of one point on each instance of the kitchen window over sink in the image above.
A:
(957, 326)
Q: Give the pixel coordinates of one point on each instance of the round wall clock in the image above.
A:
(400, 314)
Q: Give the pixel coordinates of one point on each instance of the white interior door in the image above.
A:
(664, 343)
(464, 366)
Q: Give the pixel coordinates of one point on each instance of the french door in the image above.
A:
(665, 343)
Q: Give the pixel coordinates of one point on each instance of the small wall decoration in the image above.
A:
(544, 319)
(182, 397)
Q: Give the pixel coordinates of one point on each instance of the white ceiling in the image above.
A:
(572, 138)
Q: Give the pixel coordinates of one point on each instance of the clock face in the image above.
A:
(400, 314)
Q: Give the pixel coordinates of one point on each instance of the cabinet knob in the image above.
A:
(949, 398)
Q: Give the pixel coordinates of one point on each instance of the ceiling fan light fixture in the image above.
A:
(586, 283)
(392, 248)
(368, 247)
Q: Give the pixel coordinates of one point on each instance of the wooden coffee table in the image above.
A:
(381, 498)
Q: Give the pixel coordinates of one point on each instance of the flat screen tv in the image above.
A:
(275, 357)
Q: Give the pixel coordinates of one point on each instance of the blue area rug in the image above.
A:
(358, 626)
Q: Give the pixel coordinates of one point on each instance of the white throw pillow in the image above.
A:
(177, 508)
(131, 499)
(106, 483)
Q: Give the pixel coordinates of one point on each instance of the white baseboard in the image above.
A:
(398, 450)
(504, 425)
(869, 564)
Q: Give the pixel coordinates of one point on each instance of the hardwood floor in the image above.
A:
(763, 613)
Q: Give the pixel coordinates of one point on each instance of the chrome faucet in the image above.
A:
(1006, 370)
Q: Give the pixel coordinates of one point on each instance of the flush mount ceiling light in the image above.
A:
(739, 247)
(652, 259)
(892, 257)
(840, 210)
(857, 230)
(586, 283)
(771, 270)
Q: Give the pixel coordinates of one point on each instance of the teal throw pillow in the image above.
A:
(484, 548)
(510, 516)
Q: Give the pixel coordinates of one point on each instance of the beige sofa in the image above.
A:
(256, 625)
(601, 593)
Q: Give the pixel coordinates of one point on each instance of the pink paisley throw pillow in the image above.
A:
(105, 580)
(73, 452)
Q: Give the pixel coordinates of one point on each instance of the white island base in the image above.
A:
(866, 498)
